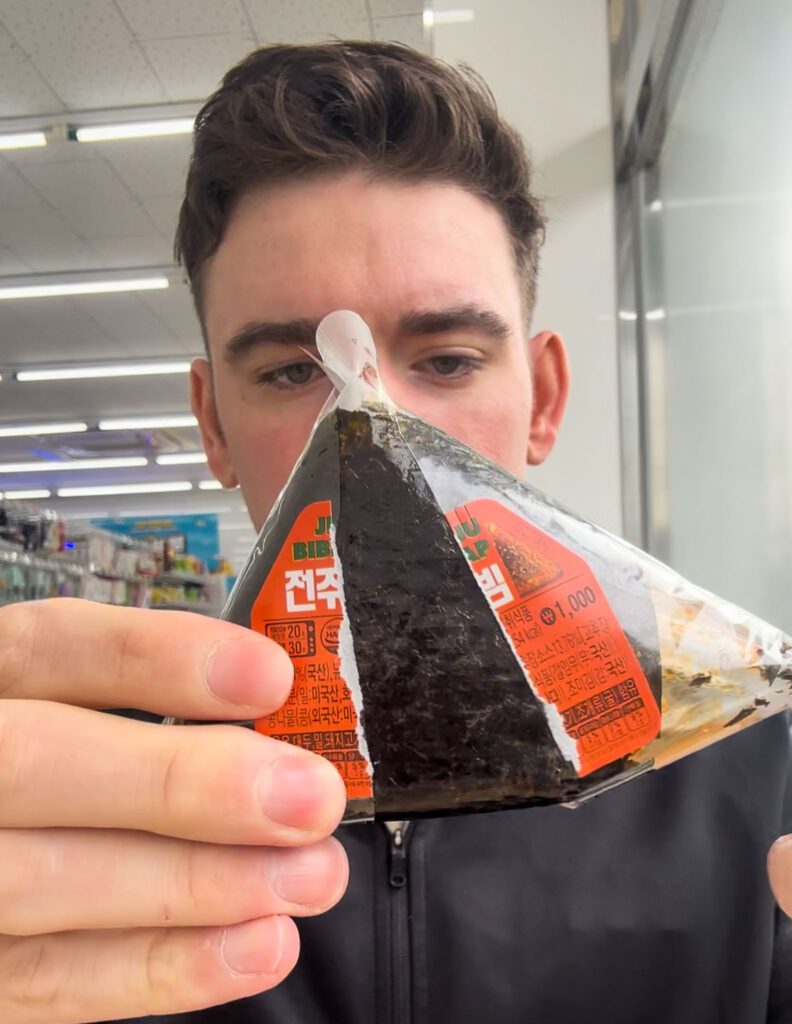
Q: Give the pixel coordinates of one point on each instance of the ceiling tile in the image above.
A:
(65, 183)
(153, 19)
(101, 218)
(18, 331)
(22, 89)
(7, 44)
(37, 350)
(389, 8)
(150, 167)
(191, 68)
(40, 236)
(55, 325)
(90, 198)
(278, 22)
(164, 213)
(174, 307)
(94, 399)
(132, 251)
(84, 50)
(15, 192)
(125, 319)
(11, 264)
(407, 29)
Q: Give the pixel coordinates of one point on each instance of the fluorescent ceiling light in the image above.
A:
(91, 372)
(47, 466)
(656, 314)
(656, 206)
(43, 291)
(134, 129)
(210, 485)
(148, 422)
(181, 459)
(22, 140)
(158, 488)
(627, 314)
(35, 429)
(27, 495)
(451, 17)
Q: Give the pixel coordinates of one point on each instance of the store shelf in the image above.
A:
(186, 606)
(96, 565)
(109, 574)
(188, 578)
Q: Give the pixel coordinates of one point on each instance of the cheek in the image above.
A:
(493, 418)
(264, 465)
(264, 448)
(498, 431)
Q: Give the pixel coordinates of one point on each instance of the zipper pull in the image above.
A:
(398, 861)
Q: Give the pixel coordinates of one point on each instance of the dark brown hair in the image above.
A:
(286, 112)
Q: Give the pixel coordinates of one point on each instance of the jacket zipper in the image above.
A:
(401, 988)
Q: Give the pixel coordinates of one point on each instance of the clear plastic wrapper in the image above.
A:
(463, 643)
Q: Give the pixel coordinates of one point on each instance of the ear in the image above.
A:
(550, 369)
(205, 410)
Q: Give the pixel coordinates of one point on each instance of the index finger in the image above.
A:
(169, 663)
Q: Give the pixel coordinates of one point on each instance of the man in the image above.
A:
(366, 177)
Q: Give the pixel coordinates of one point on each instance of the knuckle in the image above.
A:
(14, 751)
(179, 973)
(26, 873)
(133, 653)
(32, 978)
(167, 782)
(198, 881)
(161, 974)
(20, 625)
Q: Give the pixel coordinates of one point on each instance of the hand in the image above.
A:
(147, 869)
(779, 867)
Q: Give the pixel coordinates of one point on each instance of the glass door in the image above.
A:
(710, 198)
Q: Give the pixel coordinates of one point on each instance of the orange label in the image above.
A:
(301, 608)
(562, 629)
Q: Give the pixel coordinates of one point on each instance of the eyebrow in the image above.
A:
(253, 335)
(467, 317)
(302, 332)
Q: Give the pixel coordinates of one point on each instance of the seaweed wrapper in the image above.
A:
(463, 643)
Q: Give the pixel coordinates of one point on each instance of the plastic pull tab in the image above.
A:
(348, 355)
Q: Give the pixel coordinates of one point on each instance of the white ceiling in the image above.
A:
(78, 207)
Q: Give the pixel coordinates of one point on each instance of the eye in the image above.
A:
(450, 367)
(292, 376)
(447, 366)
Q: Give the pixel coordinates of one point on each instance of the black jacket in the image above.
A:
(649, 905)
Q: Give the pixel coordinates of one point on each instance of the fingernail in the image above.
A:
(309, 876)
(250, 672)
(299, 791)
(255, 947)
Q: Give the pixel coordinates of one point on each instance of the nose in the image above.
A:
(393, 380)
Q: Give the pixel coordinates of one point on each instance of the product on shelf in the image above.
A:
(30, 528)
(42, 556)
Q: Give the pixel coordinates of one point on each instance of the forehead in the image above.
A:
(378, 247)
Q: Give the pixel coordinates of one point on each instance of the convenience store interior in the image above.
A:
(675, 331)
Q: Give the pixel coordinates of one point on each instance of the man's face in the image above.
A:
(430, 269)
